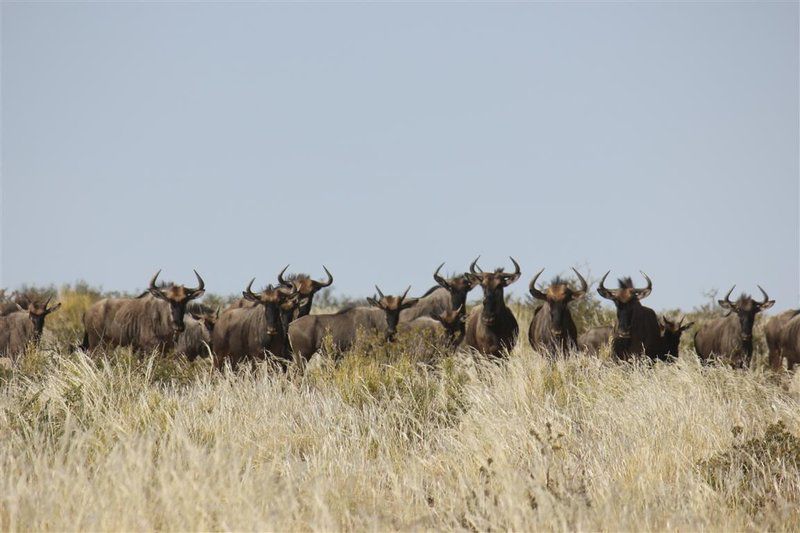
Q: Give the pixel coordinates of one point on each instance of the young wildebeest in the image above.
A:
(671, 337)
(447, 295)
(789, 344)
(307, 334)
(252, 332)
(772, 331)
(150, 322)
(195, 340)
(731, 337)
(491, 326)
(552, 327)
(449, 325)
(19, 328)
(637, 330)
(595, 338)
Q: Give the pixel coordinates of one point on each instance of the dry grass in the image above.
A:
(380, 441)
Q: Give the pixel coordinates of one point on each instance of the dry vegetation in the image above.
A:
(394, 439)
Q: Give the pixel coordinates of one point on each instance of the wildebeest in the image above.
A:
(450, 325)
(731, 337)
(552, 327)
(23, 326)
(306, 289)
(448, 294)
(671, 331)
(307, 334)
(252, 332)
(491, 326)
(637, 330)
(789, 344)
(195, 340)
(772, 331)
(150, 322)
(595, 338)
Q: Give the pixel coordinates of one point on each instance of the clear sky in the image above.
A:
(381, 140)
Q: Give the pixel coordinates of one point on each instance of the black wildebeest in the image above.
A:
(306, 289)
(731, 337)
(449, 325)
(307, 334)
(595, 338)
(252, 332)
(150, 322)
(448, 294)
(789, 344)
(23, 326)
(772, 331)
(637, 330)
(491, 326)
(671, 331)
(552, 327)
(195, 340)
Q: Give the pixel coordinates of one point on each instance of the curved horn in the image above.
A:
(728, 296)
(584, 286)
(153, 281)
(474, 265)
(249, 290)
(283, 281)
(602, 290)
(536, 293)
(643, 293)
(439, 279)
(766, 298)
(327, 283)
(201, 285)
(403, 297)
(514, 276)
(379, 292)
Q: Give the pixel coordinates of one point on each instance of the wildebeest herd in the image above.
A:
(276, 322)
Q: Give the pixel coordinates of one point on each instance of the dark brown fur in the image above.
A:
(491, 326)
(772, 331)
(637, 331)
(22, 327)
(449, 294)
(552, 327)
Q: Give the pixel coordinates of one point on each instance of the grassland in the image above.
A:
(391, 439)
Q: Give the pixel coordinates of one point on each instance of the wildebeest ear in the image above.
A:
(196, 315)
(197, 294)
(687, 326)
(157, 293)
(373, 302)
(409, 303)
(725, 304)
(437, 318)
(250, 296)
(766, 305)
(54, 308)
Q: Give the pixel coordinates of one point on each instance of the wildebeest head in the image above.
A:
(306, 288)
(391, 306)
(271, 298)
(558, 295)
(746, 309)
(457, 286)
(178, 297)
(671, 331)
(453, 322)
(626, 298)
(37, 312)
(493, 284)
(205, 315)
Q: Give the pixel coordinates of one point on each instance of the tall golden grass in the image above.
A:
(389, 439)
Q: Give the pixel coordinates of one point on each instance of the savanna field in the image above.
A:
(398, 437)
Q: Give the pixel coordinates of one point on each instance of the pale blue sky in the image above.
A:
(381, 140)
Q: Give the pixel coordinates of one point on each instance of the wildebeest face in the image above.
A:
(178, 297)
(493, 283)
(453, 322)
(207, 318)
(306, 288)
(271, 298)
(391, 306)
(626, 299)
(671, 333)
(458, 287)
(37, 312)
(746, 309)
(558, 295)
